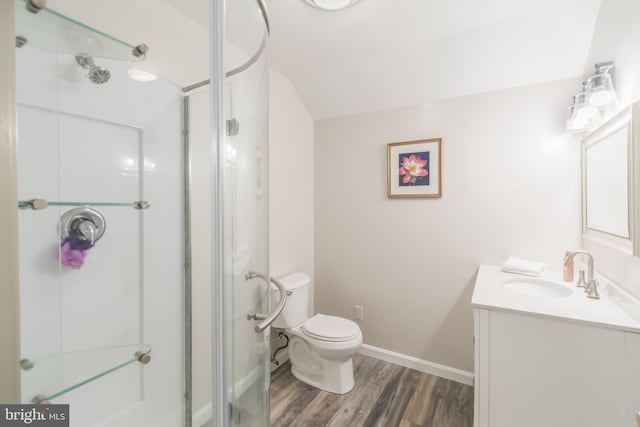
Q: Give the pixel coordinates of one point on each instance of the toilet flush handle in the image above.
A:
(267, 319)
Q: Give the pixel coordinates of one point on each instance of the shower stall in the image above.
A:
(143, 223)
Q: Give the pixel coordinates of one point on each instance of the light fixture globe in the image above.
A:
(584, 116)
(600, 90)
(331, 4)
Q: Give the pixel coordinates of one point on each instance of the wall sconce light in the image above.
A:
(596, 101)
(582, 115)
(602, 93)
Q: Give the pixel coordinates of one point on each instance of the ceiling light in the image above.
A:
(140, 75)
(332, 4)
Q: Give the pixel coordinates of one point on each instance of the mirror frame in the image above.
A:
(628, 117)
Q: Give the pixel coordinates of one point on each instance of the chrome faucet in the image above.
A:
(592, 284)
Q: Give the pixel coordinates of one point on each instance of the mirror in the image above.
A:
(609, 167)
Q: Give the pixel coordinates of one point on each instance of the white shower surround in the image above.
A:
(131, 288)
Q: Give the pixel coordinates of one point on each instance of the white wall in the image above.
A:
(617, 38)
(510, 182)
(290, 179)
(290, 184)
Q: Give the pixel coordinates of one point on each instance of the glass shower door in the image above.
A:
(246, 212)
(228, 215)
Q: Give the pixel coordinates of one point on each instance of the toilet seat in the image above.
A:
(330, 328)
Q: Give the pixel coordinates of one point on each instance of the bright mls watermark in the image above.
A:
(34, 415)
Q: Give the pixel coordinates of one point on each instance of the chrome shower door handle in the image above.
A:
(268, 319)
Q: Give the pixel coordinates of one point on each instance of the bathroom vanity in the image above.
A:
(546, 355)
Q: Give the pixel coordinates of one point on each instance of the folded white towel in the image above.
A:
(523, 266)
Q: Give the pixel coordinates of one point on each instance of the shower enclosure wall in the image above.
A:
(132, 225)
(105, 147)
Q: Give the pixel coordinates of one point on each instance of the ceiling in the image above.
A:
(382, 54)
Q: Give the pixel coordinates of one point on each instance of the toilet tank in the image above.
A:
(295, 310)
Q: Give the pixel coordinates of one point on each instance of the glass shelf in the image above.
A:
(49, 377)
(54, 32)
(38, 204)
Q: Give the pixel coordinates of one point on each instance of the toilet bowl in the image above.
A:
(321, 348)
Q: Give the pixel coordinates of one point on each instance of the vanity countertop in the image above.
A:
(490, 293)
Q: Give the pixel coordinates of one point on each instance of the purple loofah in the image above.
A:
(70, 257)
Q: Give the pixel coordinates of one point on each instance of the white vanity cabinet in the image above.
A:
(534, 371)
(632, 377)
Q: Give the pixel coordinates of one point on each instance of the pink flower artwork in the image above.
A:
(412, 168)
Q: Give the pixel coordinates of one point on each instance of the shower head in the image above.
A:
(97, 75)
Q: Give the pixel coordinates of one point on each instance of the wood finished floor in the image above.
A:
(384, 395)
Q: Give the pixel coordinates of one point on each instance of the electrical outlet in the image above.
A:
(358, 312)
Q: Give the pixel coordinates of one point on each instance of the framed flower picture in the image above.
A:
(414, 169)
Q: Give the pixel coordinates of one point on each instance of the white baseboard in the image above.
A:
(411, 362)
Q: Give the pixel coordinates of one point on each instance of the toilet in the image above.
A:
(321, 347)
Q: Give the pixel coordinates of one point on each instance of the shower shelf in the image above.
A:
(39, 204)
(80, 368)
(54, 32)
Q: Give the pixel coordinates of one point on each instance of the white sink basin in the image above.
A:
(538, 288)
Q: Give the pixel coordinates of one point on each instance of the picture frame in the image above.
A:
(414, 169)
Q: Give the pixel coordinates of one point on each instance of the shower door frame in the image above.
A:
(218, 293)
(9, 292)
